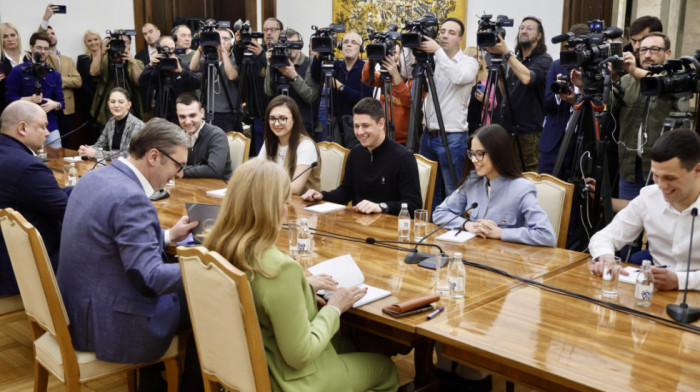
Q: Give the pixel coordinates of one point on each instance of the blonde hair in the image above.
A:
(85, 37)
(250, 217)
(8, 25)
(473, 51)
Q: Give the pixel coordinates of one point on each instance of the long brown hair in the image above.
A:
(272, 142)
(499, 146)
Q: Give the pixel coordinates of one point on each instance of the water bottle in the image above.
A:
(404, 223)
(457, 276)
(72, 175)
(100, 155)
(304, 238)
(644, 289)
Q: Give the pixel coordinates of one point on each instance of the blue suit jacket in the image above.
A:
(121, 297)
(512, 205)
(20, 83)
(556, 114)
(29, 187)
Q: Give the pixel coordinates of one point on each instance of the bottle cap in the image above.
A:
(646, 262)
(404, 205)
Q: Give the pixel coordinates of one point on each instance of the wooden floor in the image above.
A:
(16, 361)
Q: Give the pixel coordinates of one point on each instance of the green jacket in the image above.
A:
(106, 82)
(632, 109)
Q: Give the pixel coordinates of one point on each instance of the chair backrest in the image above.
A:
(239, 148)
(427, 173)
(224, 320)
(38, 288)
(333, 156)
(555, 197)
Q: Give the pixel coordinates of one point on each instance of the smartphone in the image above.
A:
(60, 9)
(480, 87)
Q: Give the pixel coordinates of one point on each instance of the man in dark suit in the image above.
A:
(124, 301)
(28, 185)
(151, 33)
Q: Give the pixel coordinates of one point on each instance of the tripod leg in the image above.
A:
(416, 114)
(441, 125)
(564, 147)
(389, 109)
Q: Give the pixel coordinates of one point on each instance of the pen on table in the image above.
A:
(660, 266)
(435, 313)
(313, 203)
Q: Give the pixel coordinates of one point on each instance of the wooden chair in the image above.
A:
(427, 173)
(333, 156)
(43, 304)
(555, 197)
(239, 148)
(224, 321)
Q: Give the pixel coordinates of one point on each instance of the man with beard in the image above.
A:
(521, 111)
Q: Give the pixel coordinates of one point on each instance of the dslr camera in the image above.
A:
(681, 77)
(383, 44)
(561, 85)
(324, 39)
(167, 63)
(489, 30)
(280, 51)
(414, 30)
(247, 36)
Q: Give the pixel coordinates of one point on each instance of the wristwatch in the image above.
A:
(384, 207)
(295, 78)
(506, 56)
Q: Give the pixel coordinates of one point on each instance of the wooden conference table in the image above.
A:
(525, 334)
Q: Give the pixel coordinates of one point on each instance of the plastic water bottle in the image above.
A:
(644, 289)
(404, 223)
(457, 276)
(72, 175)
(304, 238)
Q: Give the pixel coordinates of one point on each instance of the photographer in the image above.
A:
(165, 83)
(224, 114)
(304, 90)
(103, 68)
(454, 76)
(37, 82)
(521, 112)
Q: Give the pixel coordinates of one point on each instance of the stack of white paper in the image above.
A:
(345, 271)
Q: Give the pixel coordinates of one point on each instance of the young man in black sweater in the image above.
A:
(379, 173)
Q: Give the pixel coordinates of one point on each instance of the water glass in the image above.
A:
(293, 232)
(442, 264)
(420, 224)
(611, 276)
(66, 175)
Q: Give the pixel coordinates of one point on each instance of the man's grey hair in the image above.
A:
(159, 134)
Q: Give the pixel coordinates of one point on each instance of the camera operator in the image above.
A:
(154, 79)
(639, 29)
(454, 76)
(102, 68)
(304, 90)
(521, 113)
(183, 40)
(347, 88)
(224, 114)
(559, 96)
(151, 34)
(35, 81)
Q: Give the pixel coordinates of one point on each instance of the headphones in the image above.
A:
(362, 43)
(173, 32)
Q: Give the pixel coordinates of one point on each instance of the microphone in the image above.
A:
(69, 133)
(103, 160)
(562, 37)
(423, 259)
(313, 164)
(613, 32)
(682, 313)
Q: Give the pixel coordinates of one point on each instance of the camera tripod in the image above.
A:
(387, 83)
(250, 87)
(328, 77)
(213, 74)
(422, 71)
(165, 92)
(116, 64)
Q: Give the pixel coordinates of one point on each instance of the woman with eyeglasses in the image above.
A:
(507, 206)
(302, 349)
(288, 144)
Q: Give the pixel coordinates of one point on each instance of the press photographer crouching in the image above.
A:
(35, 81)
(288, 74)
(165, 78)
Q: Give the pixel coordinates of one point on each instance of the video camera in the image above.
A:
(116, 43)
(489, 30)
(36, 69)
(167, 63)
(681, 77)
(383, 44)
(209, 39)
(588, 50)
(247, 36)
(280, 51)
(561, 85)
(324, 40)
(414, 30)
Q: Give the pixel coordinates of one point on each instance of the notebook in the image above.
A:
(345, 271)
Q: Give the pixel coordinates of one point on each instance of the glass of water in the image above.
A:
(611, 276)
(420, 224)
(441, 265)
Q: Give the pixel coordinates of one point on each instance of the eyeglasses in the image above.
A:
(527, 27)
(271, 29)
(478, 154)
(654, 50)
(179, 165)
(281, 120)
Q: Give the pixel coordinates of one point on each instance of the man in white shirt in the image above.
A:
(664, 211)
(454, 76)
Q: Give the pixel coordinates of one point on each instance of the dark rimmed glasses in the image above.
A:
(179, 165)
(478, 154)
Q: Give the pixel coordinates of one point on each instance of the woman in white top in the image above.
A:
(288, 144)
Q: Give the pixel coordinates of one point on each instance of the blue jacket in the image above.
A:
(29, 187)
(20, 83)
(121, 296)
(556, 113)
(512, 205)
